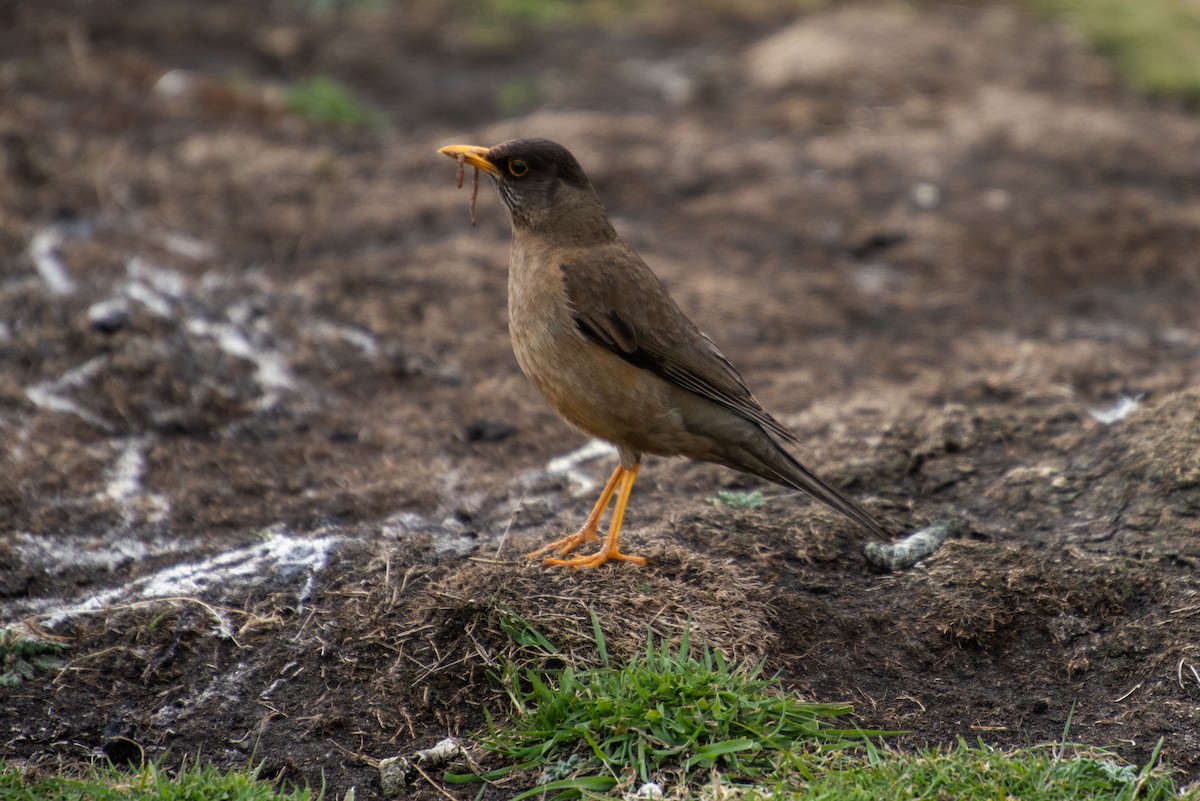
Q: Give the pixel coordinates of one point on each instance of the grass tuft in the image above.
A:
(150, 783)
(328, 7)
(585, 730)
(323, 99)
(740, 500)
(22, 656)
(1156, 43)
(1049, 773)
(518, 96)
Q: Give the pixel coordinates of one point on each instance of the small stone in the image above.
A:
(174, 83)
(109, 316)
(487, 431)
(926, 196)
(393, 776)
(119, 744)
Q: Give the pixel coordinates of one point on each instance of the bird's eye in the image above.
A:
(517, 168)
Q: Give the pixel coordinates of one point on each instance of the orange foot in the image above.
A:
(566, 544)
(588, 532)
(611, 550)
(596, 559)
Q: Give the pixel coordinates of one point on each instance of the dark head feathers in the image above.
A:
(539, 155)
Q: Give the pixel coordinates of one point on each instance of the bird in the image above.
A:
(598, 335)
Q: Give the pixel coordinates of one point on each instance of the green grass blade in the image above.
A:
(598, 633)
(711, 752)
(572, 787)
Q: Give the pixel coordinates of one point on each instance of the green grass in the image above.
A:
(1052, 773)
(542, 12)
(667, 711)
(583, 726)
(325, 100)
(518, 96)
(740, 500)
(325, 7)
(1156, 43)
(22, 656)
(689, 719)
(148, 784)
(535, 12)
(507, 22)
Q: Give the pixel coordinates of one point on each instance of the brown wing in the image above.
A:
(619, 303)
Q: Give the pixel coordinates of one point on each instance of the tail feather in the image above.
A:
(787, 471)
(715, 434)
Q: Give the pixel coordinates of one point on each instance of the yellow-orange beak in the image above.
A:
(475, 156)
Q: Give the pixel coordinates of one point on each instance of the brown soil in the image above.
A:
(935, 241)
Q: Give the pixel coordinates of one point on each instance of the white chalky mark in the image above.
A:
(126, 489)
(274, 558)
(58, 554)
(569, 464)
(188, 246)
(168, 282)
(125, 478)
(219, 684)
(49, 394)
(43, 249)
(156, 288)
(149, 297)
(354, 336)
(108, 312)
(1118, 411)
(271, 370)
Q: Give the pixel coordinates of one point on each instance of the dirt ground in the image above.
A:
(269, 465)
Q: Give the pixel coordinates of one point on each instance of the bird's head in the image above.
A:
(541, 185)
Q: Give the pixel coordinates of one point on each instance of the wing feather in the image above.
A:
(620, 304)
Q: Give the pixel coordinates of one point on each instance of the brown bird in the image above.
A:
(599, 336)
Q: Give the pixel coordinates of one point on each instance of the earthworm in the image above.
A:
(460, 174)
(474, 193)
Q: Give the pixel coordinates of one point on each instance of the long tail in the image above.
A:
(743, 444)
(785, 470)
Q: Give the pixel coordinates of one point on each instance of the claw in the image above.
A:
(623, 478)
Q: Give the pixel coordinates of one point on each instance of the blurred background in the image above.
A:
(217, 215)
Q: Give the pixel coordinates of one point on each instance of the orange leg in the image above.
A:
(588, 532)
(610, 551)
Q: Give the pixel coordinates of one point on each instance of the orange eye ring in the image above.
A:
(517, 168)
